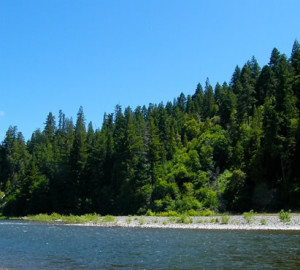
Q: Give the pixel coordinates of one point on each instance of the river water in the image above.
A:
(26, 245)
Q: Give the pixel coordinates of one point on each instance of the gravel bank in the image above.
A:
(236, 222)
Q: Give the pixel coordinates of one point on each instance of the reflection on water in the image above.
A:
(25, 245)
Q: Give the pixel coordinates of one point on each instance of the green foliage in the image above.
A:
(206, 213)
(284, 216)
(150, 213)
(235, 190)
(208, 198)
(108, 218)
(45, 218)
(70, 219)
(169, 213)
(192, 212)
(249, 216)
(2, 194)
(263, 221)
(223, 181)
(141, 221)
(234, 148)
(184, 220)
(225, 219)
(128, 220)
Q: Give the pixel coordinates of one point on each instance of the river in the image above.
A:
(26, 245)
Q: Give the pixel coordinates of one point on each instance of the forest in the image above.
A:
(232, 147)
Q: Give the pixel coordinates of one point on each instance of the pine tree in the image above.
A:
(246, 97)
(209, 105)
(78, 159)
(50, 127)
(295, 61)
(236, 81)
(198, 99)
(227, 103)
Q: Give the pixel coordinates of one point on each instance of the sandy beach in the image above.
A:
(231, 222)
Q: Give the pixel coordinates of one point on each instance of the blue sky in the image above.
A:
(63, 54)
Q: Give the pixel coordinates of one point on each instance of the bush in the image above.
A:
(172, 219)
(168, 214)
(207, 213)
(108, 219)
(142, 221)
(44, 218)
(128, 220)
(192, 212)
(234, 192)
(184, 220)
(187, 203)
(263, 221)
(71, 219)
(208, 197)
(225, 220)
(249, 216)
(149, 213)
(284, 216)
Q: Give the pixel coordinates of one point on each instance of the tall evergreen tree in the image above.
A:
(78, 159)
(209, 105)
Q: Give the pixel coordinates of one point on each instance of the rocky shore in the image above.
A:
(230, 222)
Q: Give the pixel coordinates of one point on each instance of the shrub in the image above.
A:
(234, 192)
(207, 213)
(168, 214)
(108, 219)
(184, 220)
(249, 216)
(263, 221)
(187, 203)
(284, 216)
(142, 221)
(42, 218)
(225, 220)
(192, 212)
(172, 219)
(94, 218)
(208, 198)
(149, 213)
(128, 220)
(71, 219)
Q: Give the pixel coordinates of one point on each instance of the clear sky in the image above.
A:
(62, 54)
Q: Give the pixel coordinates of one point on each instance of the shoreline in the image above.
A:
(257, 222)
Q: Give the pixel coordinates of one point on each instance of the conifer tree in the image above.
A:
(78, 159)
(209, 105)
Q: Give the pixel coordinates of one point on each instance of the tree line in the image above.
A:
(234, 147)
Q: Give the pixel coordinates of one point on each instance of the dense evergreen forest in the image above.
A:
(234, 147)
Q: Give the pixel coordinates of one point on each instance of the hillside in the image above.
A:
(234, 147)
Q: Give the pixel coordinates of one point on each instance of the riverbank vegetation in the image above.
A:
(283, 220)
(234, 147)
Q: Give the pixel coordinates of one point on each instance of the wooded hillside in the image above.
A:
(234, 147)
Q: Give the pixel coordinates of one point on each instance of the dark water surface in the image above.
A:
(25, 245)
